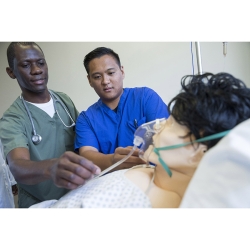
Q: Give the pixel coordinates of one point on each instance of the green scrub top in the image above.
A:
(16, 131)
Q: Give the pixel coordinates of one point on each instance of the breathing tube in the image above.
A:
(142, 139)
(117, 163)
(137, 142)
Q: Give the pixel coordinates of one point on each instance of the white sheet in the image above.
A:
(222, 179)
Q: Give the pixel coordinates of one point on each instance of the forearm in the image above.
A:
(31, 172)
(69, 170)
(104, 161)
(101, 160)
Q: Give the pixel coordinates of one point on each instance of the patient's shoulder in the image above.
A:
(145, 171)
(140, 176)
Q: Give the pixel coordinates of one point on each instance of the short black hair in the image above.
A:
(97, 53)
(209, 104)
(11, 51)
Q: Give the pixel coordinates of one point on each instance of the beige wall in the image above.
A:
(159, 65)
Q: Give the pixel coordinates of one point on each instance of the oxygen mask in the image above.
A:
(142, 140)
(143, 136)
(145, 133)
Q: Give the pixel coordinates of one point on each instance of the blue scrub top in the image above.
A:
(104, 129)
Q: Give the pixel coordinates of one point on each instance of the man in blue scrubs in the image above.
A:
(105, 132)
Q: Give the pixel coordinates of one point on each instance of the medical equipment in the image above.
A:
(36, 138)
(224, 48)
(198, 55)
(142, 139)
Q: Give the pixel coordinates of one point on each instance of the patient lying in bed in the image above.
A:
(206, 106)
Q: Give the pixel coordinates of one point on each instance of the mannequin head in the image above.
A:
(207, 104)
(172, 133)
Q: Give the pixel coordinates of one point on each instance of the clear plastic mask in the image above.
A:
(144, 138)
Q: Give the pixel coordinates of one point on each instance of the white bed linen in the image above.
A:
(222, 179)
(113, 190)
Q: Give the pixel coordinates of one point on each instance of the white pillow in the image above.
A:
(222, 179)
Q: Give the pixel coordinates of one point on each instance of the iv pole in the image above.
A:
(198, 56)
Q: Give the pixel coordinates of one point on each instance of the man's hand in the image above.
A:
(132, 161)
(68, 171)
(104, 161)
(72, 170)
(14, 190)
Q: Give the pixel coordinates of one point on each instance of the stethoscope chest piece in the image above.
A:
(36, 139)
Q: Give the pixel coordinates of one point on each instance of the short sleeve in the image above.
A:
(12, 132)
(85, 135)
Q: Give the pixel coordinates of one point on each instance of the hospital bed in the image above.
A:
(222, 179)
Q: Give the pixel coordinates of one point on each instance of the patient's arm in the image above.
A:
(106, 160)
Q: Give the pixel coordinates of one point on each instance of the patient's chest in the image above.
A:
(159, 198)
(113, 190)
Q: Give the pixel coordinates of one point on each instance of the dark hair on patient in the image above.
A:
(209, 104)
(11, 51)
(97, 53)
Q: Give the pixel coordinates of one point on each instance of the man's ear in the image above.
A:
(197, 155)
(123, 73)
(10, 73)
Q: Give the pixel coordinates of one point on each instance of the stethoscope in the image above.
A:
(36, 138)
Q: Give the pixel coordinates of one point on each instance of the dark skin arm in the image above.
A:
(105, 161)
(14, 190)
(68, 171)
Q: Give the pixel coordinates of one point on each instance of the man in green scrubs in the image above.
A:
(49, 169)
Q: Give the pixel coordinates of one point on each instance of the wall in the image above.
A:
(159, 65)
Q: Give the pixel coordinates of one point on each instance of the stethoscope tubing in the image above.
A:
(36, 138)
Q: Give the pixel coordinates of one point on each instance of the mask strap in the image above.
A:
(207, 138)
(165, 166)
